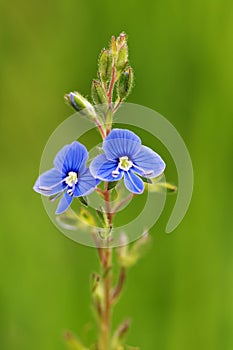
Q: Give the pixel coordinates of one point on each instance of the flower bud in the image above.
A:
(122, 252)
(73, 342)
(113, 46)
(105, 66)
(80, 103)
(120, 334)
(121, 40)
(128, 256)
(159, 185)
(98, 93)
(122, 58)
(97, 288)
(125, 83)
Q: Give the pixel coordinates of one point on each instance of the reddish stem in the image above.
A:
(99, 126)
(111, 87)
(117, 106)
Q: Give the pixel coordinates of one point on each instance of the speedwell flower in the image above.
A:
(126, 156)
(69, 176)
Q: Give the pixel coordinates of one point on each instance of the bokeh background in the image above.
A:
(180, 296)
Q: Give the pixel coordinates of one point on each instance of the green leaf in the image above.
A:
(101, 216)
(83, 201)
(112, 184)
(146, 180)
(114, 194)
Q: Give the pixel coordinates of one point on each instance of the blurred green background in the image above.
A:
(180, 296)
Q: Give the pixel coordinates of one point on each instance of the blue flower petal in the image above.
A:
(86, 184)
(102, 168)
(120, 143)
(148, 163)
(64, 203)
(49, 183)
(133, 183)
(60, 158)
(72, 158)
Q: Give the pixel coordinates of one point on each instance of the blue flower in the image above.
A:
(69, 176)
(126, 156)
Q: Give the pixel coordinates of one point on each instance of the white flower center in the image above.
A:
(125, 163)
(71, 179)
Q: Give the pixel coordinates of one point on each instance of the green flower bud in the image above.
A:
(128, 256)
(113, 46)
(79, 103)
(105, 66)
(122, 58)
(121, 40)
(73, 342)
(97, 288)
(119, 335)
(98, 93)
(161, 187)
(125, 83)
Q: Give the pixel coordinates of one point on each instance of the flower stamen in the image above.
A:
(124, 164)
(71, 179)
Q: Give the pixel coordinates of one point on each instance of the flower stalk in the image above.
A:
(124, 158)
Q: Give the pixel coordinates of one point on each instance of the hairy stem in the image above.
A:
(105, 326)
(99, 126)
(111, 87)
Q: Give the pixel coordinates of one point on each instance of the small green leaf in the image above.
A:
(114, 194)
(101, 216)
(146, 180)
(112, 184)
(83, 201)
